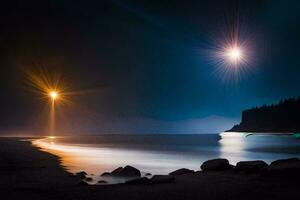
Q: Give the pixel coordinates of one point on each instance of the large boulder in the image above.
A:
(81, 175)
(127, 171)
(106, 174)
(215, 165)
(117, 171)
(181, 172)
(284, 161)
(250, 166)
(286, 168)
(158, 179)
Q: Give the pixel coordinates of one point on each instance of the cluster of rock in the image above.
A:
(243, 166)
(83, 177)
(135, 176)
(279, 168)
(289, 168)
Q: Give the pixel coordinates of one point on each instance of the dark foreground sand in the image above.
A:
(27, 173)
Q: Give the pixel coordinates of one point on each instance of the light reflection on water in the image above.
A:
(163, 154)
(237, 147)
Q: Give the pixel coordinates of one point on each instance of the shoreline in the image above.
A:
(27, 172)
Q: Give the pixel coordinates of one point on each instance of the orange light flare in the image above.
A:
(50, 88)
(48, 85)
(53, 95)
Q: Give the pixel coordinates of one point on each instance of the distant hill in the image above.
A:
(282, 117)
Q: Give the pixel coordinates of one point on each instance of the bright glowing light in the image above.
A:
(53, 95)
(234, 54)
(48, 85)
(231, 58)
(231, 52)
(51, 88)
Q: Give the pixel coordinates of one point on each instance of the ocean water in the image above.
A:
(162, 154)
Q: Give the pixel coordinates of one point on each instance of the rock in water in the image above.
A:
(215, 165)
(106, 174)
(250, 166)
(127, 171)
(157, 179)
(81, 175)
(89, 179)
(181, 172)
(117, 171)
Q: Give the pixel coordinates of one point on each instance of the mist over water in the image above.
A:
(161, 154)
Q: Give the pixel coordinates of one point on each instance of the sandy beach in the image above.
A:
(28, 173)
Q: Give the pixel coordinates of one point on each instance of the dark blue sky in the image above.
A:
(144, 66)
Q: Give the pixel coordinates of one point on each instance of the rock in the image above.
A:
(157, 179)
(127, 171)
(117, 171)
(89, 179)
(286, 168)
(143, 180)
(216, 164)
(81, 175)
(250, 166)
(181, 172)
(102, 181)
(284, 161)
(106, 174)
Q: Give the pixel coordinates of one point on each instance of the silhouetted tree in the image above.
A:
(283, 117)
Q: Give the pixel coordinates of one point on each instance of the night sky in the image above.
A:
(144, 66)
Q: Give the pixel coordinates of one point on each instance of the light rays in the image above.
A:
(47, 85)
(61, 101)
(230, 52)
(231, 59)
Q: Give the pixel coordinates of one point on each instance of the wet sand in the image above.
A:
(27, 173)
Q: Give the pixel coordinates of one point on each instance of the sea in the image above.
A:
(163, 153)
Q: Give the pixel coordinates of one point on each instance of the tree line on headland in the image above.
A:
(281, 117)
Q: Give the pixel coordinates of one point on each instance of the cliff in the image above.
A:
(282, 117)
